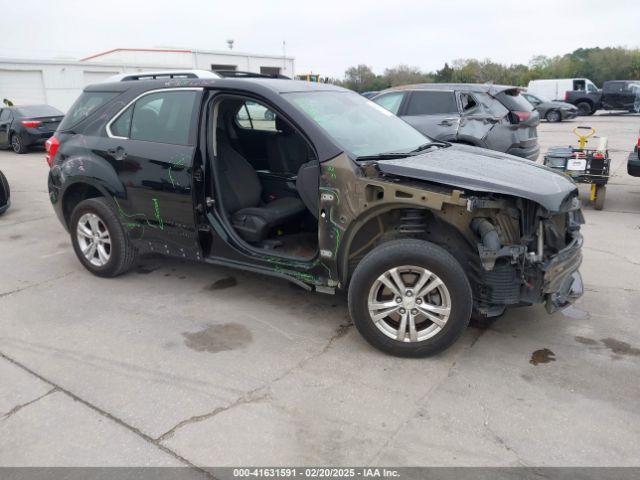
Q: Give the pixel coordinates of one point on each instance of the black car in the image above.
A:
(23, 127)
(333, 192)
(496, 117)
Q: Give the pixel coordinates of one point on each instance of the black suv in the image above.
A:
(496, 117)
(329, 192)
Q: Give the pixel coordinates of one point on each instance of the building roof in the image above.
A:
(230, 53)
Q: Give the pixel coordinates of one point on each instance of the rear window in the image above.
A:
(39, 111)
(84, 106)
(514, 101)
(432, 103)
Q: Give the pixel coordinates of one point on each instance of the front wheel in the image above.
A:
(410, 298)
(100, 242)
(553, 116)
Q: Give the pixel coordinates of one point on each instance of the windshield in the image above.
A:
(358, 125)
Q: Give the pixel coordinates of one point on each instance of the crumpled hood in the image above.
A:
(482, 170)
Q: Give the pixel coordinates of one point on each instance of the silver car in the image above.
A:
(496, 117)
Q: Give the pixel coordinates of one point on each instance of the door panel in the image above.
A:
(433, 113)
(157, 181)
(151, 149)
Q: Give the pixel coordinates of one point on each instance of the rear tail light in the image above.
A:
(51, 146)
(598, 155)
(31, 123)
(517, 117)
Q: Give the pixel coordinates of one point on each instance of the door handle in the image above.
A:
(118, 153)
(448, 121)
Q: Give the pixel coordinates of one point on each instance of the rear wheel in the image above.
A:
(553, 116)
(601, 194)
(100, 242)
(584, 108)
(17, 144)
(410, 298)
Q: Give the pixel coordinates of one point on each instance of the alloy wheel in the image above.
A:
(409, 303)
(94, 239)
(16, 144)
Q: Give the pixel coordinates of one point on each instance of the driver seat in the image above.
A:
(241, 194)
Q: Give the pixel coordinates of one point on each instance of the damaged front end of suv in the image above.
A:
(512, 225)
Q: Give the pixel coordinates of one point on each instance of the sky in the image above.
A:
(324, 36)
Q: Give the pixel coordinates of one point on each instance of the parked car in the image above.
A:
(490, 116)
(5, 194)
(556, 88)
(160, 74)
(336, 194)
(633, 163)
(552, 111)
(370, 94)
(26, 126)
(615, 95)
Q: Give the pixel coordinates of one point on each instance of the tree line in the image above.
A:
(597, 64)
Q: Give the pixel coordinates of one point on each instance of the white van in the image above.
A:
(555, 88)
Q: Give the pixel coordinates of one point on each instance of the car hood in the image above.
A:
(482, 170)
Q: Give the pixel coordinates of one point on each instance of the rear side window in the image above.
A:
(432, 103)
(390, 101)
(84, 106)
(514, 101)
(467, 102)
(162, 117)
(122, 126)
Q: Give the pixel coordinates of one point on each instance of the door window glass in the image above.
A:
(163, 117)
(255, 116)
(390, 101)
(432, 103)
(4, 115)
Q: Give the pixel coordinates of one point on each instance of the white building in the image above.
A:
(59, 82)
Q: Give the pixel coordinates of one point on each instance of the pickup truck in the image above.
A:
(615, 95)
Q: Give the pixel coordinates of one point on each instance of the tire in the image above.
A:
(121, 253)
(553, 116)
(17, 144)
(601, 195)
(416, 257)
(584, 108)
(5, 194)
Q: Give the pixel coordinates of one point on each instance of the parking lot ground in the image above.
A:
(180, 363)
